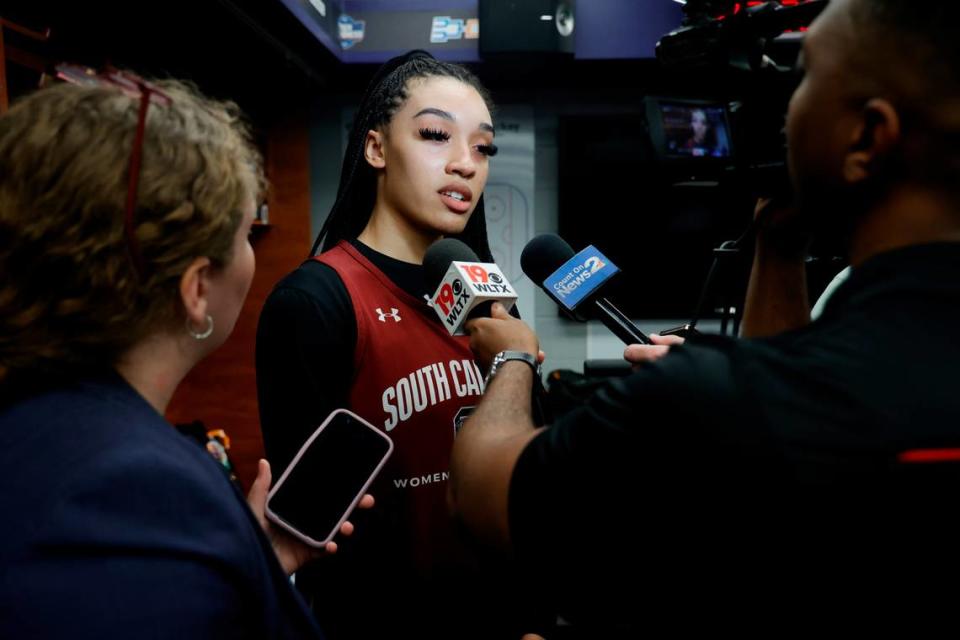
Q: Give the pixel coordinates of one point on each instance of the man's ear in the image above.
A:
(872, 142)
(373, 149)
(195, 291)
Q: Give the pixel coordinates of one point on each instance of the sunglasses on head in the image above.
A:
(147, 93)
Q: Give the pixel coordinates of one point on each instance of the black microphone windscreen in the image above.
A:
(437, 259)
(543, 255)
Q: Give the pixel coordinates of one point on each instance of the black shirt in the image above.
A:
(736, 474)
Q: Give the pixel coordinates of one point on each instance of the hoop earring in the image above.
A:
(197, 335)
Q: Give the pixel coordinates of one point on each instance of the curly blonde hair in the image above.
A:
(70, 297)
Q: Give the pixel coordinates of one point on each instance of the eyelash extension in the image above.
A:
(434, 134)
(437, 135)
(488, 150)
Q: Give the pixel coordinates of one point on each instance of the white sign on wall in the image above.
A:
(509, 199)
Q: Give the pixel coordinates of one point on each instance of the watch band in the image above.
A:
(506, 356)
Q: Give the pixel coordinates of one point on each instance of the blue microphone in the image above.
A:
(574, 282)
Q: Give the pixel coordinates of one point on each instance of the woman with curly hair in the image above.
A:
(125, 209)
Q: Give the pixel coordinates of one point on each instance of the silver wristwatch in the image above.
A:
(505, 356)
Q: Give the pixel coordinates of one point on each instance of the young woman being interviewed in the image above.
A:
(351, 327)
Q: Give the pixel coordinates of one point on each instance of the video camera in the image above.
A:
(739, 135)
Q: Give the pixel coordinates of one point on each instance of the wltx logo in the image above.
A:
(394, 313)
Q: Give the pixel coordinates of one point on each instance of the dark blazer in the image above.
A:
(114, 525)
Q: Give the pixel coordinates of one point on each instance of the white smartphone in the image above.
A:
(328, 477)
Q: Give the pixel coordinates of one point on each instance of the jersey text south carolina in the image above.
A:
(429, 386)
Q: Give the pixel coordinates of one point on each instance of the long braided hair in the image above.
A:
(357, 193)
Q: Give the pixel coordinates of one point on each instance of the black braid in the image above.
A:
(357, 192)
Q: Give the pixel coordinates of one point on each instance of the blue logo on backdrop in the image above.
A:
(579, 277)
(445, 28)
(351, 31)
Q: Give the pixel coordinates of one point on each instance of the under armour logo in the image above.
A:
(394, 313)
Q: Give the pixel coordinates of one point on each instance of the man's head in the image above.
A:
(879, 105)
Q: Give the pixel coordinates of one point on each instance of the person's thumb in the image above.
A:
(257, 497)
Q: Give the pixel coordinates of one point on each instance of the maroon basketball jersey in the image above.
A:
(417, 383)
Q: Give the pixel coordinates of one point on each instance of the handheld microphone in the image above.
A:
(574, 282)
(465, 287)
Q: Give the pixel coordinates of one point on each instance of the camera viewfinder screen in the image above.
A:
(695, 131)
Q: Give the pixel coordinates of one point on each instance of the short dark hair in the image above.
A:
(385, 95)
(920, 71)
(929, 29)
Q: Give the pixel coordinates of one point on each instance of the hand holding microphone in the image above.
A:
(638, 354)
(500, 332)
(474, 297)
(465, 287)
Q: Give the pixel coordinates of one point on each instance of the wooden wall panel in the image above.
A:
(221, 391)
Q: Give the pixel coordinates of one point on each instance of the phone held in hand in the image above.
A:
(328, 477)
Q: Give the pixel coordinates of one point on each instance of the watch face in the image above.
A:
(494, 365)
